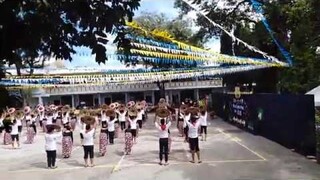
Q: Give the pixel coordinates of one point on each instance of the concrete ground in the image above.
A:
(229, 153)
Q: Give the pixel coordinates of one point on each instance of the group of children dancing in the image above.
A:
(60, 123)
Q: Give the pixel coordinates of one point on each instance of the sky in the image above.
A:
(83, 57)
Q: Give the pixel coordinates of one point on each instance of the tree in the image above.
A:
(180, 29)
(295, 25)
(50, 28)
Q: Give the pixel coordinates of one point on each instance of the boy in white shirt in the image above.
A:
(163, 139)
(194, 137)
(111, 128)
(186, 119)
(122, 118)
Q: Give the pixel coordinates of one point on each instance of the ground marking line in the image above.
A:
(117, 166)
(236, 139)
(144, 164)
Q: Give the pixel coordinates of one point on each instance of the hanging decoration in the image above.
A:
(147, 77)
(199, 10)
(174, 49)
(258, 9)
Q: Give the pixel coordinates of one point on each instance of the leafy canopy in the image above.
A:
(31, 29)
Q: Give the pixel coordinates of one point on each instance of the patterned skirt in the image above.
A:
(103, 141)
(30, 135)
(44, 128)
(169, 144)
(128, 143)
(117, 131)
(73, 123)
(66, 146)
(7, 138)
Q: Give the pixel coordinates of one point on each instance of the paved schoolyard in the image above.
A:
(229, 153)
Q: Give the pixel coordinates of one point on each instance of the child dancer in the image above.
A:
(128, 138)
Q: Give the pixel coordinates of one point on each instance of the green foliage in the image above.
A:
(296, 24)
(46, 28)
(180, 29)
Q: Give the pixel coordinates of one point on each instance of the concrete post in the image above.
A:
(100, 100)
(40, 100)
(73, 101)
(153, 98)
(126, 97)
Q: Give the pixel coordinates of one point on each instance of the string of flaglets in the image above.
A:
(175, 50)
(204, 13)
(258, 9)
(124, 78)
(145, 48)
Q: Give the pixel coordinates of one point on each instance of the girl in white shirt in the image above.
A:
(193, 136)
(163, 140)
(122, 118)
(88, 144)
(31, 130)
(133, 126)
(15, 133)
(51, 139)
(111, 128)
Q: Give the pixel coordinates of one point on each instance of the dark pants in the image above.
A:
(140, 123)
(88, 151)
(111, 137)
(123, 125)
(186, 130)
(34, 127)
(15, 137)
(51, 158)
(163, 145)
(40, 122)
(19, 129)
(194, 144)
(203, 130)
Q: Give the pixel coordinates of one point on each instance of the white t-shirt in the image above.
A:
(1, 122)
(14, 129)
(163, 133)
(203, 119)
(104, 118)
(51, 141)
(49, 119)
(193, 129)
(41, 116)
(186, 119)
(55, 115)
(19, 121)
(133, 123)
(122, 116)
(88, 138)
(65, 119)
(111, 124)
(33, 120)
(139, 115)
